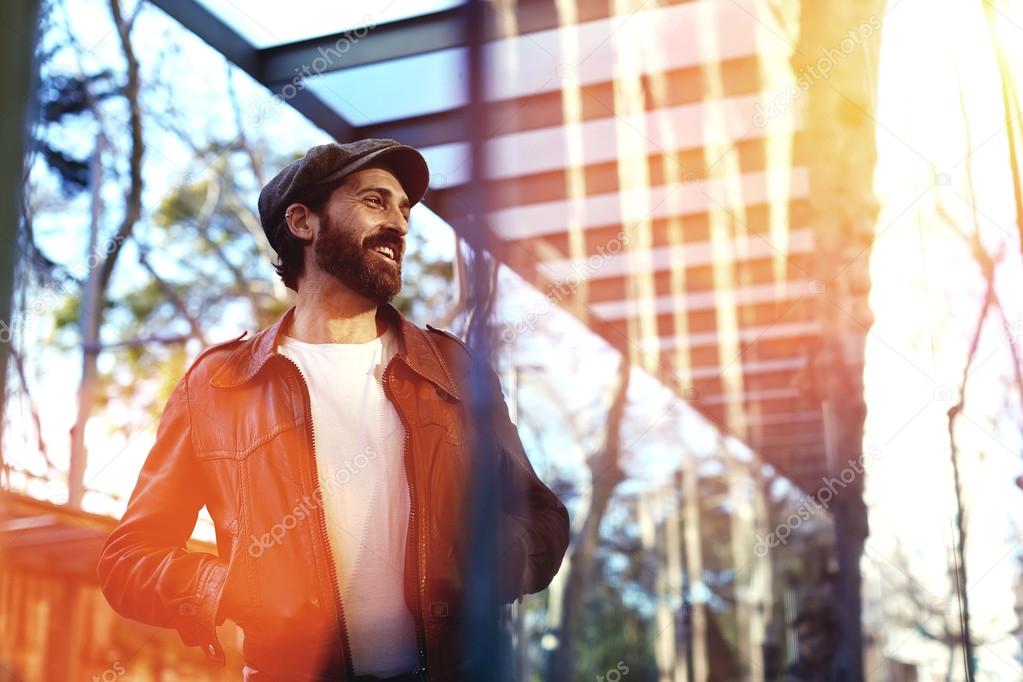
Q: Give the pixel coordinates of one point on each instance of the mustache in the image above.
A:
(395, 242)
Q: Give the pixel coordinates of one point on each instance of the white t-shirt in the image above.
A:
(359, 459)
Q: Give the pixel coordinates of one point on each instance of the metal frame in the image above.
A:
(448, 29)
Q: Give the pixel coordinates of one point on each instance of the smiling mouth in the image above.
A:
(386, 251)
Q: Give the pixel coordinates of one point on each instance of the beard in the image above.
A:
(356, 265)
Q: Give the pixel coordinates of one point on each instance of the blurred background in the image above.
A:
(751, 269)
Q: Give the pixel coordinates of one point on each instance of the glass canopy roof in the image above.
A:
(268, 23)
(395, 89)
(519, 65)
(602, 119)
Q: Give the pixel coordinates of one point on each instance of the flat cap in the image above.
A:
(329, 163)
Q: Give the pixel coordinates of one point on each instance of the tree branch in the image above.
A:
(138, 342)
(169, 292)
(19, 365)
(133, 195)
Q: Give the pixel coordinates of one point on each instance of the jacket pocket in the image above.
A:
(233, 423)
(237, 441)
(439, 409)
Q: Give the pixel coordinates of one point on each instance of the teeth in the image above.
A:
(386, 250)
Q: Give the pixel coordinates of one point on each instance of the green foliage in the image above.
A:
(613, 634)
(141, 302)
(68, 311)
(427, 284)
(181, 204)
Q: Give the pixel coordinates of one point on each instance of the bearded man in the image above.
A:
(333, 451)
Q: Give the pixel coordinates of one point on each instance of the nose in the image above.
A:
(396, 220)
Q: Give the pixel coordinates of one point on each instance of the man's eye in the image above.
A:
(378, 201)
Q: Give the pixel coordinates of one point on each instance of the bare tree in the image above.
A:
(605, 474)
(842, 151)
(991, 304)
(935, 617)
(98, 278)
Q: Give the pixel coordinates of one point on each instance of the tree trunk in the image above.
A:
(605, 475)
(100, 272)
(667, 586)
(749, 628)
(89, 318)
(761, 583)
(697, 660)
(839, 133)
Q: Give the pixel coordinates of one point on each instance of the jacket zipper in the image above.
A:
(413, 525)
(322, 517)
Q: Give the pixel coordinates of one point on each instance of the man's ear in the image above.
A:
(298, 218)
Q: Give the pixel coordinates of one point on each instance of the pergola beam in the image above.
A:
(414, 36)
(218, 35)
(236, 49)
(393, 40)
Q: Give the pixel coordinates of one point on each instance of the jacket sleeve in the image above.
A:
(145, 571)
(534, 524)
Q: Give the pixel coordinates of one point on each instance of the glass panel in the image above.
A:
(530, 64)
(395, 89)
(266, 23)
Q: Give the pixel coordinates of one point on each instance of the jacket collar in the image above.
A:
(416, 349)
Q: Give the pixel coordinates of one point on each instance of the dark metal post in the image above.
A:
(16, 81)
(483, 631)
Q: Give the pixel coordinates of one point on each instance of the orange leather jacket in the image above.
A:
(236, 436)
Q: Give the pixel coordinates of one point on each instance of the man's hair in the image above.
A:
(290, 263)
